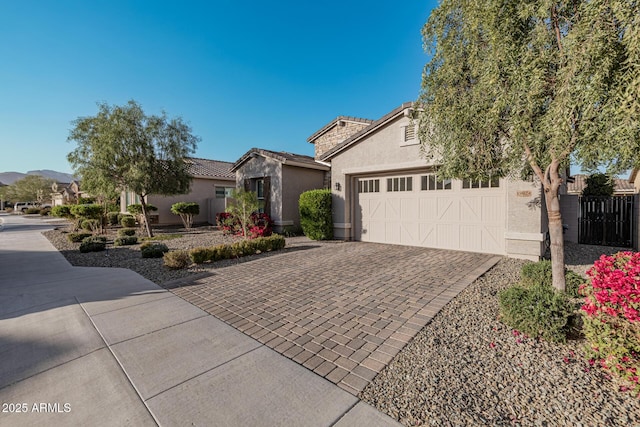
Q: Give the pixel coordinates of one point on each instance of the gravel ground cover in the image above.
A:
(153, 268)
(464, 368)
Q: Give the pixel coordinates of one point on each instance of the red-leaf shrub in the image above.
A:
(261, 225)
(612, 320)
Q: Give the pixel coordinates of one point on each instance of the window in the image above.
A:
(431, 182)
(223, 192)
(404, 183)
(369, 186)
(493, 182)
(260, 194)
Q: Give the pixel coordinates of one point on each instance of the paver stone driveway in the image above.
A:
(342, 310)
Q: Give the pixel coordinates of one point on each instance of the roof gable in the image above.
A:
(283, 157)
(373, 127)
(326, 128)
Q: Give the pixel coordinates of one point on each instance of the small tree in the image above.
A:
(123, 149)
(599, 184)
(142, 213)
(186, 211)
(521, 87)
(88, 212)
(241, 206)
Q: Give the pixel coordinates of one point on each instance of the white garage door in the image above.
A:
(419, 210)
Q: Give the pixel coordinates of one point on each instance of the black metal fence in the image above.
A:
(606, 221)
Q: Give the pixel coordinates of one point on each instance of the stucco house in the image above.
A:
(384, 191)
(279, 178)
(211, 186)
(63, 193)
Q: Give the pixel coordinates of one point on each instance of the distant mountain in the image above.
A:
(11, 177)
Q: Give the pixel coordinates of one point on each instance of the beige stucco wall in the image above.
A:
(525, 226)
(337, 134)
(201, 191)
(386, 151)
(295, 181)
(260, 167)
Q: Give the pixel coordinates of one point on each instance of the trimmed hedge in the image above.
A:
(128, 221)
(93, 244)
(315, 214)
(78, 237)
(62, 211)
(125, 240)
(237, 249)
(176, 259)
(112, 218)
(153, 250)
(126, 232)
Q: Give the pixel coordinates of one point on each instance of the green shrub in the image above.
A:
(201, 255)
(128, 221)
(113, 218)
(32, 211)
(126, 232)
(537, 310)
(125, 240)
(45, 211)
(93, 244)
(540, 273)
(91, 211)
(315, 214)
(153, 250)
(90, 224)
(94, 239)
(176, 259)
(62, 211)
(78, 237)
(237, 249)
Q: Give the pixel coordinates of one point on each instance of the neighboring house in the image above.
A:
(279, 178)
(384, 191)
(622, 187)
(64, 193)
(211, 186)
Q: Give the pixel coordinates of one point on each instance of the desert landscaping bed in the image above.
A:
(463, 368)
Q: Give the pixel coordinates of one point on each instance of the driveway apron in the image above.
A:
(342, 310)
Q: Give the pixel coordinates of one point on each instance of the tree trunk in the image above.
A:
(555, 231)
(145, 217)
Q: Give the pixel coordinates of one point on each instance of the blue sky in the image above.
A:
(242, 74)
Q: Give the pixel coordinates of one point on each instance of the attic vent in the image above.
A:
(409, 132)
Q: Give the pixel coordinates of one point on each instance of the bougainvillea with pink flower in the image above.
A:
(260, 225)
(612, 316)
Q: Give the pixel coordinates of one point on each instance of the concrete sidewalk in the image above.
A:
(97, 346)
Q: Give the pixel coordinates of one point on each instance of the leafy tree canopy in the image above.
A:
(31, 188)
(123, 148)
(599, 184)
(520, 86)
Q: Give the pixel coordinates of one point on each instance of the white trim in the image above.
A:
(513, 235)
(283, 222)
(341, 225)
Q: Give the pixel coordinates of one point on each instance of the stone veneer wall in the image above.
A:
(337, 134)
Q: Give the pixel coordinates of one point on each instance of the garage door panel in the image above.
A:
(460, 219)
(448, 236)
